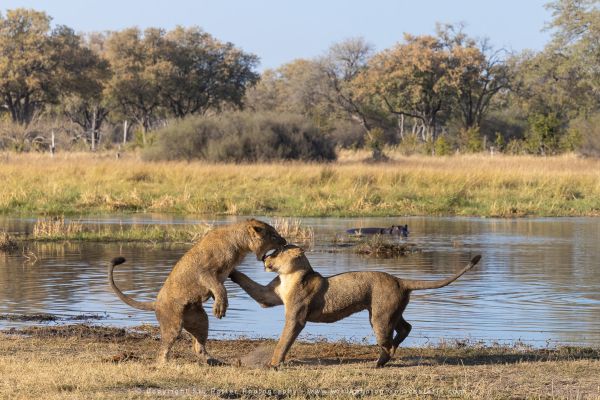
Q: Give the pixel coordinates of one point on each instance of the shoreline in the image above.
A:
(98, 361)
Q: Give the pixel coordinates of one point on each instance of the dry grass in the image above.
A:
(504, 186)
(56, 227)
(294, 230)
(59, 228)
(84, 362)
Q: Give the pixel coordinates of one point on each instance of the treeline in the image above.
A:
(431, 94)
(100, 81)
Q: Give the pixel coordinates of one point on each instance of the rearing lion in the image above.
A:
(199, 275)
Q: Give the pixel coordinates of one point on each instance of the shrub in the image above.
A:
(515, 147)
(375, 142)
(242, 137)
(499, 142)
(442, 146)
(584, 136)
(471, 140)
(348, 135)
(412, 144)
(544, 133)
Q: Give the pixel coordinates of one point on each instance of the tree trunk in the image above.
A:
(52, 146)
(401, 123)
(124, 131)
(94, 129)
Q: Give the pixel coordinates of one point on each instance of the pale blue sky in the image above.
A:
(279, 31)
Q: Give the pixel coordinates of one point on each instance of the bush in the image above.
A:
(544, 133)
(348, 135)
(442, 146)
(375, 142)
(584, 135)
(515, 147)
(412, 144)
(471, 140)
(242, 137)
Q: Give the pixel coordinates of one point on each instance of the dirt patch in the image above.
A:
(82, 331)
(28, 317)
(43, 317)
(254, 352)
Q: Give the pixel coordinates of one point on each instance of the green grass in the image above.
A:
(500, 186)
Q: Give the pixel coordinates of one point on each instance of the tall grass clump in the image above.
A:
(242, 137)
(56, 227)
(59, 228)
(294, 230)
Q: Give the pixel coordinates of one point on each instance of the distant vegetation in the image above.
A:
(173, 92)
(480, 185)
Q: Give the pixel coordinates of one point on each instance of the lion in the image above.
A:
(308, 296)
(198, 276)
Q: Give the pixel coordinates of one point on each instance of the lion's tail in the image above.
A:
(140, 305)
(418, 284)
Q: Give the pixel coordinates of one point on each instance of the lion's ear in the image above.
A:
(256, 231)
(299, 250)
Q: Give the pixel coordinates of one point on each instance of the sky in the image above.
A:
(279, 31)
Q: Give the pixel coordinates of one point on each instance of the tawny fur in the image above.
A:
(198, 276)
(308, 296)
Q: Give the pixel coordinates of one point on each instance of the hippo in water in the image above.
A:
(400, 230)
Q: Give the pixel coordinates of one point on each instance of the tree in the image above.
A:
(205, 73)
(82, 101)
(477, 72)
(411, 79)
(343, 62)
(140, 69)
(36, 63)
(576, 47)
(177, 73)
(294, 87)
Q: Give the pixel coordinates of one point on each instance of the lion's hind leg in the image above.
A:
(384, 328)
(403, 328)
(170, 328)
(195, 321)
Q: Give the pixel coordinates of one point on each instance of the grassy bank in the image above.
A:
(503, 186)
(101, 362)
(57, 229)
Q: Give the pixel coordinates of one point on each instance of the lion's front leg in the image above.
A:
(292, 328)
(264, 295)
(217, 288)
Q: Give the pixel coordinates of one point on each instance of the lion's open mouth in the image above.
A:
(268, 254)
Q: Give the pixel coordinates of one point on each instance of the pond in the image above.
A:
(538, 281)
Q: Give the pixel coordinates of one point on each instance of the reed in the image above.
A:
(60, 228)
(294, 230)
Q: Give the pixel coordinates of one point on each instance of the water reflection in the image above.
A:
(538, 280)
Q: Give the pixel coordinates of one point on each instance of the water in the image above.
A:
(538, 281)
